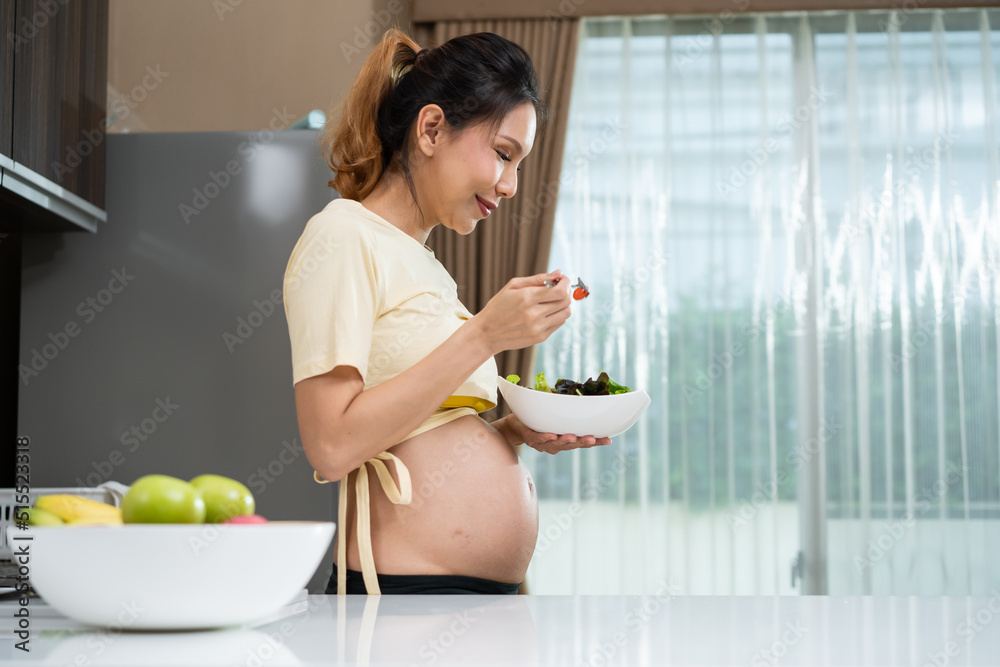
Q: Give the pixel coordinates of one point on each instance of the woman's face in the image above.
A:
(469, 171)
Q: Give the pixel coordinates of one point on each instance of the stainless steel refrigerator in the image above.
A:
(159, 343)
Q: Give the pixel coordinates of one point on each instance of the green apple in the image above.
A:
(162, 499)
(224, 497)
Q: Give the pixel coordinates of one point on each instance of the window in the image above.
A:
(790, 226)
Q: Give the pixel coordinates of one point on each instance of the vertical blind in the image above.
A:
(790, 225)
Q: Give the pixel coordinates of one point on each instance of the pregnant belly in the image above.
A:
(474, 510)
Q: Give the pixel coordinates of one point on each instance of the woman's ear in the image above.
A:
(431, 126)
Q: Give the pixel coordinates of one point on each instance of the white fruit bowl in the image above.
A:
(599, 416)
(173, 576)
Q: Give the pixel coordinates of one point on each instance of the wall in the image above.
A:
(199, 65)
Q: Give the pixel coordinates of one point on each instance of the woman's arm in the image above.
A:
(343, 425)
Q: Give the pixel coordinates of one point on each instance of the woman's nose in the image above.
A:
(507, 186)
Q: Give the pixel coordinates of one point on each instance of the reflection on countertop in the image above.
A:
(595, 630)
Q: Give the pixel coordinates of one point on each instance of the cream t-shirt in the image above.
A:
(361, 292)
(358, 291)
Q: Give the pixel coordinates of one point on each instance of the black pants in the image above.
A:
(422, 584)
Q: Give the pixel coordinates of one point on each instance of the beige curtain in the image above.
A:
(515, 240)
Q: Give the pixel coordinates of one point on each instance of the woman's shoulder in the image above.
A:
(336, 231)
(342, 220)
(341, 213)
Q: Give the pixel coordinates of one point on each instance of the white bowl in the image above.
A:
(173, 576)
(599, 416)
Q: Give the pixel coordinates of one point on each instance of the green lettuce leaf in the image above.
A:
(541, 384)
(614, 387)
(602, 386)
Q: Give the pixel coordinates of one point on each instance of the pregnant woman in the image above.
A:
(390, 370)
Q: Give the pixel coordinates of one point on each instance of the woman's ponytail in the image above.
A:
(353, 146)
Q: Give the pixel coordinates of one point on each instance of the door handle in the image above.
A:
(796, 568)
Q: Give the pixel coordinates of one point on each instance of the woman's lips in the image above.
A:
(483, 207)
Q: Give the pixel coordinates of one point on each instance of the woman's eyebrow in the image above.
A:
(517, 145)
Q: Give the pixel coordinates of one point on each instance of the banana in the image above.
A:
(39, 517)
(69, 507)
(96, 521)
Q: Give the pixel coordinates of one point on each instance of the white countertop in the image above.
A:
(596, 630)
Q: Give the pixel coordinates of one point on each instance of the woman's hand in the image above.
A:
(516, 433)
(524, 312)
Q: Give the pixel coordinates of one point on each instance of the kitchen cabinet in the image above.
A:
(52, 118)
(6, 78)
(60, 93)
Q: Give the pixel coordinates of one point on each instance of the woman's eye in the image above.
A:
(506, 159)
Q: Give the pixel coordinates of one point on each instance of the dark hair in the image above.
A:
(475, 79)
